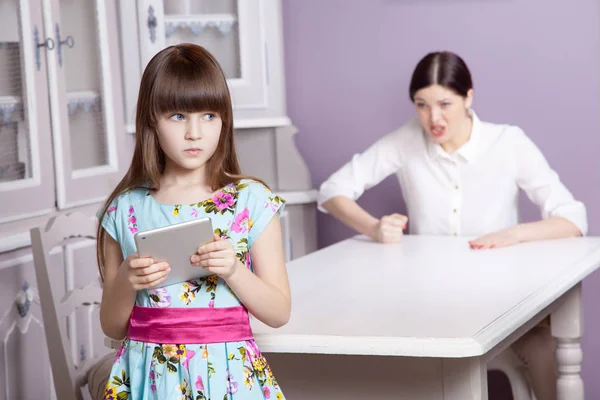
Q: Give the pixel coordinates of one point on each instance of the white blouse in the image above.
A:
(472, 192)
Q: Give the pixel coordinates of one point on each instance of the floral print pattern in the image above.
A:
(228, 371)
(242, 222)
(132, 221)
(159, 297)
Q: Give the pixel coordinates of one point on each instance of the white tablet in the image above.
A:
(175, 244)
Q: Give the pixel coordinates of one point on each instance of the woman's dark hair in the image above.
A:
(442, 68)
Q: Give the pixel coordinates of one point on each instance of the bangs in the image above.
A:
(185, 86)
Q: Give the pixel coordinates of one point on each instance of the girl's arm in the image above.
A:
(266, 292)
(122, 279)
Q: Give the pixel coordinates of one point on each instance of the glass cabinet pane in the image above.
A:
(81, 64)
(15, 150)
(212, 24)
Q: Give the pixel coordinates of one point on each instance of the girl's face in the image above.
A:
(189, 139)
(443, 113)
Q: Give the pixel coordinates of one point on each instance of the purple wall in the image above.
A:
(534, 63)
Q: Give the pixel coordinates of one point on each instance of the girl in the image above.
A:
(190, 340)
(461, 176)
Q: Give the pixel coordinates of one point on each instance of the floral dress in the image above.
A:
(216, 371)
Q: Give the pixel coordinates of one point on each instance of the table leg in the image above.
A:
(464, 379)
(567, 328)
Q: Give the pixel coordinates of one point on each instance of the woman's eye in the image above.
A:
(446, 105)
(209, 117)
(177, 117)
(420, 105)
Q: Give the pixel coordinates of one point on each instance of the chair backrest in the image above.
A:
(66, 308)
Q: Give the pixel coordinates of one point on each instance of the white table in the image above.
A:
(421, 319)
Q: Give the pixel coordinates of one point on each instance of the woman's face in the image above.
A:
(442, 112)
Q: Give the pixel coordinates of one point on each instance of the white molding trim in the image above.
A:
(81, 203)
(248, 59)
(299, 197)
(31, 94)
(250, 123)
(93, 171)
(14, 242)
(19, 240)
(106, 79)
(60, 128)
(20, 217)
(25, 257)
(25, 183)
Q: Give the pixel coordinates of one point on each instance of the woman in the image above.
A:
(461, 176)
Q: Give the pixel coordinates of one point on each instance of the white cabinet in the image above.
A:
(86, 110)
(26, 169)
(61, 130)
(243, 35)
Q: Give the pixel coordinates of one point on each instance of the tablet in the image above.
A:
(175, 244)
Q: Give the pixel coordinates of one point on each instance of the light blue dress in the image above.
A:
(228, 371)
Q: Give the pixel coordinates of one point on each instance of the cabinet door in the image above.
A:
(86, 100)
(26, 171)
(25, 372)
(232, 30)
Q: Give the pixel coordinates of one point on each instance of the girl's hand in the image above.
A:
(143, 273)
(217, 257)
(390, 228)
(503, 238)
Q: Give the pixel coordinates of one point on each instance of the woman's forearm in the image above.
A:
(551, 228)
(352, 215)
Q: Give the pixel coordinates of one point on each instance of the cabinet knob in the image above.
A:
(48, 43)
(68, 41)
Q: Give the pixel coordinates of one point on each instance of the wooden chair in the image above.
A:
(67, 310)
(508, 363)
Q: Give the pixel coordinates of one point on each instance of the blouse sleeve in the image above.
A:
(543, 186)
(108, 220)
(364, 170)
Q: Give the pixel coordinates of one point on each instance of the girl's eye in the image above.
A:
(177, 117)
(445, 105)
(209, 117)
(421, 105)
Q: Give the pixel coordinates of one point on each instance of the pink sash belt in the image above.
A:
(189, 325)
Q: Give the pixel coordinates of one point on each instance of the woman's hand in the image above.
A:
(503, 238)
(218, 257)
(144, 273)
(390, 228)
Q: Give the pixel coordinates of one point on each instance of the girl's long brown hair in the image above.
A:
(181, 78)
